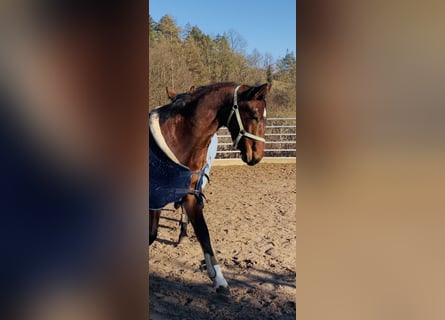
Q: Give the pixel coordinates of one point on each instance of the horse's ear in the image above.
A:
(170, 93)
(192, 90)
(259, 92)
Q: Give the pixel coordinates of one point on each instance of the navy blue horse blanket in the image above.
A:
(169, 181)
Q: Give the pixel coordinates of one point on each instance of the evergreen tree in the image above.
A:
(168, 29)
(287, 64)
(153, 27)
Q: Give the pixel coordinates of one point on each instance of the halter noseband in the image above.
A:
(242, 132)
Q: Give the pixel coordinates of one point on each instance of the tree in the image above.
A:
(236, 41)
(169, 32)
(153, 27)
(287, 64)
(268, 60)
(255, 59)
(269, 74)
(168, 29)
(193, 59)
(224, 66)
(206, 46)
(186, 31)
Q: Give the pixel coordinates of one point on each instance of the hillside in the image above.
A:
(184, 56)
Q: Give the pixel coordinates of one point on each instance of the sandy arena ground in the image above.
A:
(251, 215)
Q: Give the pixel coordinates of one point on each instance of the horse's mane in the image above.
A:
(185, 103)
(200, 91)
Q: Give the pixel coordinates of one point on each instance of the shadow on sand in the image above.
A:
(250, 298)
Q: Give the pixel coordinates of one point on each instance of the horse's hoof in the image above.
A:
(223, 291)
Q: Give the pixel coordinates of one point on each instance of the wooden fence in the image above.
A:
(280, 140)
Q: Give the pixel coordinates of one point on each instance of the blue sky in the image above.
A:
(268, 26)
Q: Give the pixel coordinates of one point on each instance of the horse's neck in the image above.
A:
(189, 137)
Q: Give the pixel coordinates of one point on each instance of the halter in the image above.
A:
(242, 132)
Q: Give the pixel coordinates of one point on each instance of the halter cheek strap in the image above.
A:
(242, 132)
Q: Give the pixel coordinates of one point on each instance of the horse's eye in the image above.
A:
(254, 115)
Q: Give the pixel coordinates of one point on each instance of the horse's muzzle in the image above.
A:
(252, 151)
(253, 162)
(251, 158)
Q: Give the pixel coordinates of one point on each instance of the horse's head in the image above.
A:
(247, 122)
(179, 99)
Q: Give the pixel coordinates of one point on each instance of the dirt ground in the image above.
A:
(251, 215)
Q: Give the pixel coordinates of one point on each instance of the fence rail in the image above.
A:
(280, 140)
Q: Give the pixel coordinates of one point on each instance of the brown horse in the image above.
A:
(187, 126)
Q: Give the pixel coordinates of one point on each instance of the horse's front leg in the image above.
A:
(196, 216)
(154, 216)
